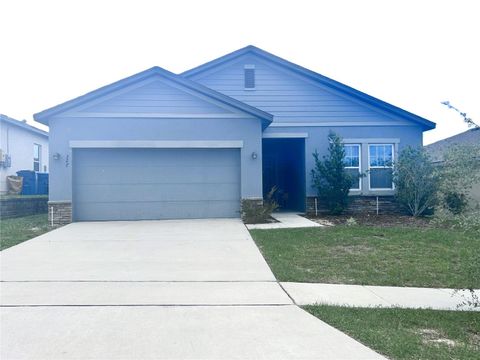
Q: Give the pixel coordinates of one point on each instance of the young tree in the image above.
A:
(416, 181)
(329, 177)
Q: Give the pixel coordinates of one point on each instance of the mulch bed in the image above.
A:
(373, 220)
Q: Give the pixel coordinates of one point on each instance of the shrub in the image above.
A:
(455, 202)
(329, 177)
(254, 213)
(416, 181)
(351, 222)
(468, 221)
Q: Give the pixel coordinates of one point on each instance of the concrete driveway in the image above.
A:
(179, 289)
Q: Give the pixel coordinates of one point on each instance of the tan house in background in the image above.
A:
(438, 149)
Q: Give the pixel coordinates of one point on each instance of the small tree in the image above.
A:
(458, 172)
(416, 181)
(329, 177)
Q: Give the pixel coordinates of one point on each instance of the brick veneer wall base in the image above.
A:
(360, 205)
(59, 212)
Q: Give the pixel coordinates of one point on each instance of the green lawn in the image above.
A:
(396, 256)
(17, 230)
(408, 333)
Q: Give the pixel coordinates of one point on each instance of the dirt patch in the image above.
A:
(432, 336)
(373, 220)
(351, 249)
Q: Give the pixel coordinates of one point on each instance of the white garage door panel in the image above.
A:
(135, 184)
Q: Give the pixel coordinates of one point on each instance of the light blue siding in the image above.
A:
(157, 96)
(140, 184)
(288, 96)
(296, 101)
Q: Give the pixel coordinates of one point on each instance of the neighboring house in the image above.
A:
(438, 149)
(158, 145)
(22, 147)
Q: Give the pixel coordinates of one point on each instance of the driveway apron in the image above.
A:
(172, 289)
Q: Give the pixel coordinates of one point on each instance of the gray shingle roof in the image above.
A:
(23, 125)
(438, 149)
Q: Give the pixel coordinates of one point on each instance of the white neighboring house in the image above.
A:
(22, 147)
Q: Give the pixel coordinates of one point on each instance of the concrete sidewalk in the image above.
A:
(377, 296)
(285, 220)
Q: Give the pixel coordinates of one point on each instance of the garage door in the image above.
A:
(139, 184)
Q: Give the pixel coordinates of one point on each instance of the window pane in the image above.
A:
(355, 177)
(355, 162)
(355, 151)
(388, 153)
(36, 151)
(381, 155)
(351, 156)
(381, 178)
(36, 166)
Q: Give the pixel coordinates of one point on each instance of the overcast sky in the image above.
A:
(413, 54)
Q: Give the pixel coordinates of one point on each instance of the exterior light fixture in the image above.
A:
(56, 156)
(254, 155)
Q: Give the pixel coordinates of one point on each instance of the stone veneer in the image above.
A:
(59, 212)
(360, 205)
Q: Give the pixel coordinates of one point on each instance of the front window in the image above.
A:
(380, 158)
(37, 149)
(352, 164)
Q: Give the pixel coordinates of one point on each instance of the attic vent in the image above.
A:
(249, 72)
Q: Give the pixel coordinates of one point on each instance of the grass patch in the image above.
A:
(17, 230)
(408, 333)
(369, 255)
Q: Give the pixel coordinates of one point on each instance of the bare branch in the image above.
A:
(466, 119)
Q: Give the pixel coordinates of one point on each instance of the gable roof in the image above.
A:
(23, 125)
(437, 149)
(335, 85)
(154, 71)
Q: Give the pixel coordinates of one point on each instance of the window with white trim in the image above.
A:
(37, 150)
(380, 164)
(352, 163)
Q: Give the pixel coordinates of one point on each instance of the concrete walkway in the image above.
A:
(184, 289)
(376, 296)
(286, 220)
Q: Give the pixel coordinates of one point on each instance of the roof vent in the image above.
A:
(249, 76)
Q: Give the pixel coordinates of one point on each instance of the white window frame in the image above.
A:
(380, 167)
(359, 146)
(39, 157)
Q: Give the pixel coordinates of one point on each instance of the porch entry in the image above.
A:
(284, 168)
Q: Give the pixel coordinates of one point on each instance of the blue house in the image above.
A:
(158, 145)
